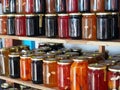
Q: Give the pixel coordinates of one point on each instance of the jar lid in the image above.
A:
(38, 58)
(103, 13)
(115, 68)
(75, 14)
(14, 55)
(49, 55)
(72, 53)
(64, 61)
(50, 15)
(5, 85)
(84, 14)
(108, 62)
(62, 56)
(80, 59)
(26, 56)
(64, 14)
(50, 60)
(97, 66)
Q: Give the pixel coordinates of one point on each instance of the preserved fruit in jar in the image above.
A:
(60, 6)
(50, 6)
(28, 6)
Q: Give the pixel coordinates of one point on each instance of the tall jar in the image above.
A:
(5, 6)
(25, 67)
(14, 65)
(97, 77)
(51, 25)
(89, 31)
(20, 27)
(84, 5)
(63, 29)
(50, 72)
(114, 77)
(72, 6)
(79, 74)
(60, 6)
(29, 6)
(97, 5)
(3, 24)
(75, 30)
(103, 26)
(12, 6)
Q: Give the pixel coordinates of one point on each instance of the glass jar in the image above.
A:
(50, 72)
(112, 5)
(10, 25)
(60, 6)
(14, 65)
(61, 57)
(51, 25)
(75, 30)
(84, 5)
(72, 6)
(114, 77)
(50, 6)
(89, 31)
(20, 28)
(29, 6)
(97, 5)
(5, 6)
(25, 67)
(79, 74)
(72, 54)
(97, 77)
(103, 26)
(3, 24)
(12, 6)
(63, 29)
(63, 73)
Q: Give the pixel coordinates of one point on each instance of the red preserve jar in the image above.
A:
(63, 29)
(63, 73)
(20, 28)
(28, 6)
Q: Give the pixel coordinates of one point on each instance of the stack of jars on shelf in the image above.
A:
(67, 69)
(75, 19)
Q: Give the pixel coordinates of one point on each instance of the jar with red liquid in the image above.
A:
(89, 31)
(114, 77)
(5, 6)
(20, 27)
(29, 6)
(79, 74)
(25, 67)
(60, 6)
(72, 6)
(50, 72)
(63, 28)
(50, 6)
(3, 24)
(63, 73)
(97, 5)
(97, 77)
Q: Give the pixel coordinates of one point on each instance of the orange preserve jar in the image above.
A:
(79, 74)
(3, 24)
(89, 26)
(50, 72)
(25, 67)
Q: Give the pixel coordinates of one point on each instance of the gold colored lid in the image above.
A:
(97, 66)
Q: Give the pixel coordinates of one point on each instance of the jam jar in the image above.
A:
(3, 24)
(112, 5)
(51, 25)
(103, 26)
(75, 30)
(32, 25)
(39, 6)
(12, 6)
(50, 6)
(79, 74)
(10, 24)
(60, 6)
(14, 65)
(89, 26)
(5, 6)
(20, 28)
(63, 28)
(25, 67)
(29, 6)
(63, 73)
(50, 72)
(97, 77)
(72, 6)
(84, 5)
(97, 5)
(114, 77)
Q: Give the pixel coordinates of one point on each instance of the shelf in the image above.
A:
(69, 41)
(27, 83)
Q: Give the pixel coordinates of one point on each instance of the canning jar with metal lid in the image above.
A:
(5, 6)
(97, 77)
(114, 77)
(75, 30)
(63, 73)
(29, 6)
(72, 54)
(62, 57)
(14, 65)
(78, 50)
(79, 74)
(63, 28)
(50, 72)
(12, 6)
(89, 31)
(49, 55)
(60, 6)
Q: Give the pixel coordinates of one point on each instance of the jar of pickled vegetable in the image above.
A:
(63, 73)
(89, 31)
(5, 6)
(60, 6)
(97, 77)
(50, 72)
(79, 74)
(29, 6)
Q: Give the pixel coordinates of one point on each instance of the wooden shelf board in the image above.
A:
(27, 83)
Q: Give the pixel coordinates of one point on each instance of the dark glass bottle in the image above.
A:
(12, 6)
(60, 6)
